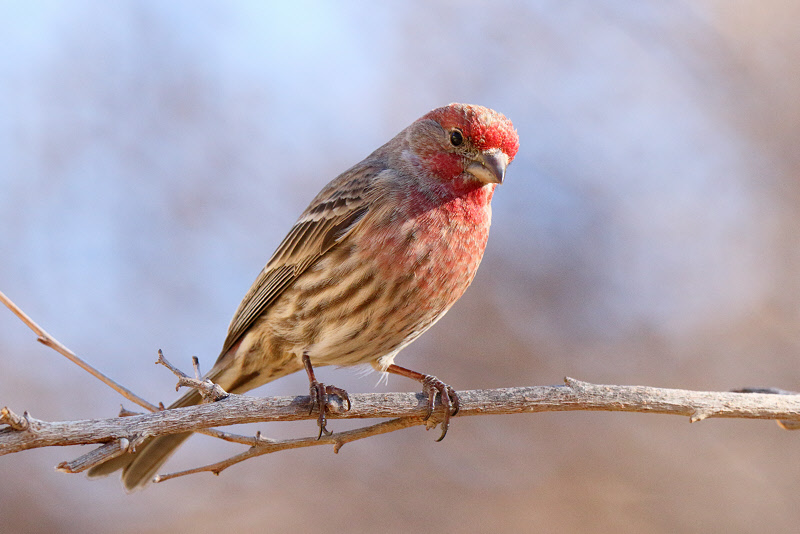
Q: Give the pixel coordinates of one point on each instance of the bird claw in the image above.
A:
(319, 400)
(433, 387)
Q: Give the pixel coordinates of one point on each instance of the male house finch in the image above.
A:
(378, 257)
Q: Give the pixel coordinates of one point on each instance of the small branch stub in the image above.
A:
(7, 417)
(699, 415)
(124, 412)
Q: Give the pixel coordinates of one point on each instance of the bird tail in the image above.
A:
(139, 467)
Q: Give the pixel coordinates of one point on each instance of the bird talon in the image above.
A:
(451, 393)
(432, 386)
(322, 422)
(319, 400)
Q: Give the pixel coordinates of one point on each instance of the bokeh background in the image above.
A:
(153, 154)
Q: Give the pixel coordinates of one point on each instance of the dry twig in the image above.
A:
(49, 341)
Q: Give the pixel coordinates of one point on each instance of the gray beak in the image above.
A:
(489, 167)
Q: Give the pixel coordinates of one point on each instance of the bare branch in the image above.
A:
(123, 433)
(239, 409)
(49, 341)
(262, 446)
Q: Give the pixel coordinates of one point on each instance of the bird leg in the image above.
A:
(432, 386)
(319, 396)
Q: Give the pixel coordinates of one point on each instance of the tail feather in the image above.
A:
(139, 467)
(146, 462)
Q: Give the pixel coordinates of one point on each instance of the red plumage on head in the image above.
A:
(485, 127)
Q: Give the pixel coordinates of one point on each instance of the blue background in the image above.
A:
(153, 154)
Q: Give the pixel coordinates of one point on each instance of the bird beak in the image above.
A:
(489, 167)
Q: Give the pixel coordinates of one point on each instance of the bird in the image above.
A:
(379, 255)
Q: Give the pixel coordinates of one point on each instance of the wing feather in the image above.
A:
(331, 216)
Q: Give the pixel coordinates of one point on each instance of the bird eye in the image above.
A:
(456, 137)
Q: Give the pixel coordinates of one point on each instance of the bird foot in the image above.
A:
(319, 396)
(433, 387)
(319, 400)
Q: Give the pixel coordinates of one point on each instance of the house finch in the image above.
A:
(378, 257)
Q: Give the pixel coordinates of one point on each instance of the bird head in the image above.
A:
(462, 140)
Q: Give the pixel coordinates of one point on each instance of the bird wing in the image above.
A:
(330, 217)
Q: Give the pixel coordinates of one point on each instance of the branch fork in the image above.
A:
(210, 391)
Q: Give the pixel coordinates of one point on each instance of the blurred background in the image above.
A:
(153, 154)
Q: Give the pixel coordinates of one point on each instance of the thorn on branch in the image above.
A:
(124, 412)
(577, 385)
(699, 415)
(210, 391)
(16, 422)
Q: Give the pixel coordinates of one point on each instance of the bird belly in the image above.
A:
(368, 298)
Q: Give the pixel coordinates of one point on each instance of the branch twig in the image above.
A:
(46, 339)
(266, 447)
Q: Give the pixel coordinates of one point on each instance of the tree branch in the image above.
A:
(240, 409)
(123, 433)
